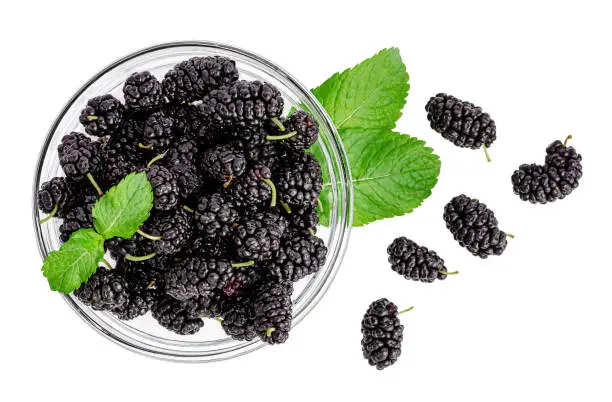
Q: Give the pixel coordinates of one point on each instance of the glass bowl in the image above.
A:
(143, 334)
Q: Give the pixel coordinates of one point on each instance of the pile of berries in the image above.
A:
(235, 199)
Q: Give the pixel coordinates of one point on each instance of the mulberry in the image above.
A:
(158, 131)
(139, 303)
(165, 187)
(244, 103)
(415, 262)
(474, 226)
(79, 156)
(215, 215)
(238, 321)
(559, 176)
(194, 78)
(299, 181)
(460, 122)
(55, 196)
(78, 217)
(306, 130)
(105, 290)
(254, 187)
(258, 236)
(272, 309)
(299, 257)
(174, 316)
(195, 276)
(102, 116)
(223, 163)
(142, 91)
(173, 230)
(382, 334)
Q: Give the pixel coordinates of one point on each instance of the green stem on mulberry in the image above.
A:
(243, 264)
(186, 208)
(273, 188)
(449, 273)
(106, 263)
(158, 157)
(93, 182)
(92, 118)
(141, 145)
(51, 215)
(510, 235)
(229, 181)
(405, 311)
(312, 233)
(285, 206)
(278, 123)
(281, 137)
(484, 147)
(269, 331)
(218, 319)
(150, 285)
(148, 236)
(135, 258)
(569, 137)
(319, 205)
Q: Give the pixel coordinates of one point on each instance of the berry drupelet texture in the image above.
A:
(462, 123)
(78, 217)
(173, 228)
(79, 156)
(55, 196)
(244, 103)
(556, 179)
(258, 236)
(272, 309)
(239, 319)
(158, 131)
(105, 290)
(192, 79)
(299, 257)
(142, 91)
(382, 334)
(165, 187)
(223, 163)
(253, 188)
(306, 130)
(102, 116)
(215, 215)
(299, 181)
(415, 262)
(195, 276)
(474, 226)
(175, 316)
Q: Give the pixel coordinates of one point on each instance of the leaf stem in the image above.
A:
(141, 145)
(569, 137)
(510, 235)
(405, 311)
(151, 284)
(312, 233)
(273, 188)
(285, 206)
(93, 182)
(51, 215)
(229, 181)
(218, 319)
(243, 264)
(157, 157)
(105, 262)
(450, 273)
(186, 208)
(281, 137)
(269, 331)
(484, 147)
(278, 123)
(135, 258)
(92, 118)
(148, 236)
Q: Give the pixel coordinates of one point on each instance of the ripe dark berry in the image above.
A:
(258, 236)
(272, 309)
(239, 319)
(55, 195)
(415, 262)
(306, 129)
(474, 226)
(299, 181)
(382, 334)
(215, 215)
(244, 103)
(77, 217)
(174, 229)
(142, 91)
(254, 187)
(223, 163)
(165, 187)
(105, 290)
(555, 180)
(194, 78)
(158, 131)
(102, 116)
(183, 151)
(79, 156)
(195, 276)
(462, 123)
(174, 316)
(120, 159)
(299, 257)
(139, 303)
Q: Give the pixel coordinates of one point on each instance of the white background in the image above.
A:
(531, 325)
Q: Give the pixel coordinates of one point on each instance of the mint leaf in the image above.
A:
(121, 211)
(75, 261)
(392, 174)
(369, 95)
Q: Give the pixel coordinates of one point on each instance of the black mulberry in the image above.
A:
(79, 156)
(55, 196)
(165, 187)
(462, 123)
(299, 181)
(142, 91)
(158, 131)
(195, 276)
(272, 308)
(175, 316)
(415, 262)
(105, 290)
(223, 163)
(254, 187)
(215, 215)
(258, 236)
(194, 78)
(299, 257)
(555, 180)
(239, 319)
(102, 116)
(173, 229)
(382, 334)
(306, 130)
(78, 217)
(474, 226)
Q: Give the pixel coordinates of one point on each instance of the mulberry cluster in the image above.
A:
(415, 262)
(554, 180)
(462, 123)
(474, 226)
(382, 334)
(216, 244)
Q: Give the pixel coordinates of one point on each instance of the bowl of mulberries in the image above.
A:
(231, 255)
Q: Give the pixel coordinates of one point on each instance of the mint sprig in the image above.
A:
(121, 211)
(118, 213)
(392, 173)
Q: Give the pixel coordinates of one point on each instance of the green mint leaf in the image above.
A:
(121, 211)
(75, 261)
(392, 174)
(370, 95)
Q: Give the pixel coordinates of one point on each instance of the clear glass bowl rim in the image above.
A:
(343, 224)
